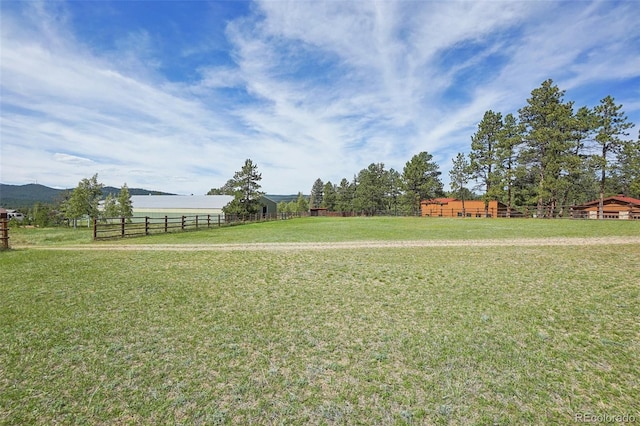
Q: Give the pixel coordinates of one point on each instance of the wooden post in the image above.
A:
(196, 222)
(183, 222)
(146, 225)
(4, 231)
(218, 221)
(208, 221)
(122, 226)
(166, 224)
(95, 229)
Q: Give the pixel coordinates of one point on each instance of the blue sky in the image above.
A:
(174, 96)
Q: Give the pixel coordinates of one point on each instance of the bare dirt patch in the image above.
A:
(351, 245)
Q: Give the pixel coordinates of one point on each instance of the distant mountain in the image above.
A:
(133, 191)
(21, 196)
(25, 196)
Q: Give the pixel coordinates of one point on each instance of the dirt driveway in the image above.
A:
(350, 245)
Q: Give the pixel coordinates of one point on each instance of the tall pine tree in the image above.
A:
(548, 123)
(612, 124)
(484, 155)
(245, 185)
(421, 180)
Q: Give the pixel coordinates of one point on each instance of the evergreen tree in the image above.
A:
(612, 124)
(460, 174)
(315, 200)
(344, 196)
(329, 196)
(579, 177)
(421, 181)
(628, 168)
(246, 190)
(227, 189)
(548, 123)
(371, 189)
(509, 139)
(484, 162)
(394, 185)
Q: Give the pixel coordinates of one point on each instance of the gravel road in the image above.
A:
(350, 245)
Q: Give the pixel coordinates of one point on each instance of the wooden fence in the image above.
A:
(4, 234)
(139, 226)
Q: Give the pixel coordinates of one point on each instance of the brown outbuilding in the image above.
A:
(452, 207)
(616, 207)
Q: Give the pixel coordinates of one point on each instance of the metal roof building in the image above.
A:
(188, 205)
(178, 205)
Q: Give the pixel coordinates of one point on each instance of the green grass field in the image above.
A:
(431, 335)
(320, 229)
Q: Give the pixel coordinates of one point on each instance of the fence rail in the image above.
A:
(139, 226)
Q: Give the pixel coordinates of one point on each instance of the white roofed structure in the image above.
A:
(176, 205)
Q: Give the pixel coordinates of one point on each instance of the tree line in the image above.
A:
(548, 156)
(378, 190)
(81, 202)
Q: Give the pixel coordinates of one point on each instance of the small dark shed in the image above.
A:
(317, 211)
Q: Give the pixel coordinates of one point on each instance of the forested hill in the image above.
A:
(25, 196)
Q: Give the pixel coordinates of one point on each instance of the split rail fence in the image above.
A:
(139, 226)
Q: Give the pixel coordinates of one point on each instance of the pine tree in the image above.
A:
(548, 123)
(421, 181)
(612, 124)
(315, 200)
(371, 190)
(509, 139)
(628, 168)
(344, 196)
(460, 175)
(246, 190)
(484, 155)
(329, 196)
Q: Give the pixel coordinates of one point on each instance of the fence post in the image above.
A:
(183, 222)
(196, 222)
(4, 232)
(95, 230)
(218, 221)
(166, 224)
(208, 221)
(146, 225)
(122, 226)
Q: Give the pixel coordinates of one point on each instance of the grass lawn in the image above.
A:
(432, 335)
(322, 229)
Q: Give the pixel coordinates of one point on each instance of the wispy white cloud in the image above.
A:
(305, 89)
